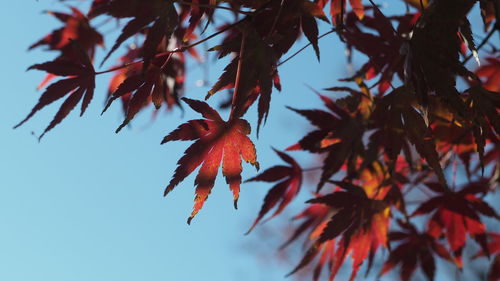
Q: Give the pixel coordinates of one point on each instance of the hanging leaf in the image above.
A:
(289, 181)
(79, 84)
(216, 141)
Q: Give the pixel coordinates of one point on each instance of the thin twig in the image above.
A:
(214, 7)
(303, 48)
(183, 48)
(118, 67)
(176, 50)
(311, 169)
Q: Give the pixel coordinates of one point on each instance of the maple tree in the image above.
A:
(394, 135)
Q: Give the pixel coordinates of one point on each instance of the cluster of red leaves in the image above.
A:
(379, 147)
(414, 248)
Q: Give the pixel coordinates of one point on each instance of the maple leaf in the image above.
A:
(160, 14)
(414, 249)
(491, 72)
(494, 249)
(398, 121)
(138, 87)
(216, 141)
(77, 28)
(308, 23)
(433, 57)
(460, 140)
(266, 36)
(493, 245)
(80, 84)
(383, 48)
(339, 134)
(258, 62)
(338, 8)
(456, 214)
(361, 222)
(314, 217)
(122, 74)
(289, 181)
(483, 106)
(197, 9)
(96, 7)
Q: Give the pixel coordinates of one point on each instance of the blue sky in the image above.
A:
(86, 203)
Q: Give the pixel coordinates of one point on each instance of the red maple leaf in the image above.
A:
(337, 11)
(138, 87)
(76, 27)
(456, 214)
(289, 180)
(258, 61)
(414, 249)
(162, 16)
(80, 84)
(216, 141)
(494, 249)
(361, 222)
(197, 10)
(383, 47)
(339, 134)
(491, 72)
(398, 121)
(483, 106)
(314, 219)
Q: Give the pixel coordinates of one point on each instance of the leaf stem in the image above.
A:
(176, 50)
(234, 106)
(118, 67)
(312, 169)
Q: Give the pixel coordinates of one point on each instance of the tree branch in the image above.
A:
(213, 7)
(303, 48)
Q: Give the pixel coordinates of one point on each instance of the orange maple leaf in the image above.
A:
(216, 141)
(360, 223)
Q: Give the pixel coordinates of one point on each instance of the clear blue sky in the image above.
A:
(86, 204)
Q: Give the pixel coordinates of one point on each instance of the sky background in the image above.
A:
(86, 203)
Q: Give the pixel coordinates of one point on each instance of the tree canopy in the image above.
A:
(407, 146)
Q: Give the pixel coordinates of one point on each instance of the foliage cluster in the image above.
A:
(402, 125)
